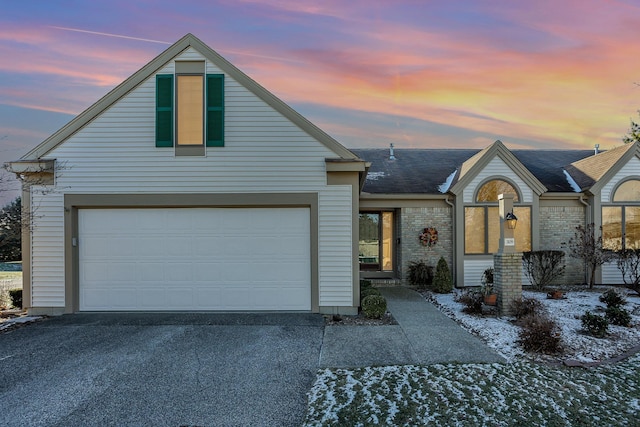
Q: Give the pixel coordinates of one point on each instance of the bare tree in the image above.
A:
(586, 246)
(543, 267)
(633, 135)
(628, 262)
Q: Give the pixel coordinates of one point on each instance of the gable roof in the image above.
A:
(423, 171)
(549, 165)
(474, 165)
(591, 171)
(413, 171)
(158, 62)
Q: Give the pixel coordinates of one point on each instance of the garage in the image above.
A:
(192, 259)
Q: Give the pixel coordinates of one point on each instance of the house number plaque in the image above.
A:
(509, 241)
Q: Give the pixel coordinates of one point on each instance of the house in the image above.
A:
(191, 187)
(455, 192)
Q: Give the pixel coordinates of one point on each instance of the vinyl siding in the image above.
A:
(473, 270)
(611, 275)
(264, 152)
(632, 168)
(335, 245)
(47, 237)
(496, 168)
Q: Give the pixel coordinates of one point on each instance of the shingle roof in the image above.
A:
(413, 171)
(423, 171)
(548, 165)
(588, 171)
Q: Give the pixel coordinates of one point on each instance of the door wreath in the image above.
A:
(429, 236)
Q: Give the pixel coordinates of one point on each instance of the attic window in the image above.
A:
(190, 114)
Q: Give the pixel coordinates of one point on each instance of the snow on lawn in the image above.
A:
(501, 334)
(518, 393)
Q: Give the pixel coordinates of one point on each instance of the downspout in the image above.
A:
(587, 221)
(453, 238)
(587, 217)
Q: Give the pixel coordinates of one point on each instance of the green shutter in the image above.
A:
(164, 110)
(215, 110)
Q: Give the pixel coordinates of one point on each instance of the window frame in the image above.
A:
(622, 205)
(486, 206)
(379, 266)
(212, 105)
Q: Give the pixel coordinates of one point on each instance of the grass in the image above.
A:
(11, 275)
(8, 280)
(514, 394)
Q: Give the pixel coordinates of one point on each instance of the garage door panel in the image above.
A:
(150, 272)
(195, 259)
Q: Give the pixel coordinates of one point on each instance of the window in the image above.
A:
(191, 113)
(621, 222)
(189, 110)
(482, 222)
(375, 248)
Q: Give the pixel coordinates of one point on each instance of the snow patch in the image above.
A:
(444, 187)
(373, 176)
(574, 185)
(5, 323)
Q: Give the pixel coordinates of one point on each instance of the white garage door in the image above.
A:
(194, 259)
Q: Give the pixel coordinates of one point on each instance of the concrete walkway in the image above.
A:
(424, 335)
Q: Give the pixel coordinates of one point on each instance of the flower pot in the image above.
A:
(555, 295)
(491, 299)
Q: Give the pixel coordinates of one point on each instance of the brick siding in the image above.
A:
(507, 280)
(412, 222)
(557, 226)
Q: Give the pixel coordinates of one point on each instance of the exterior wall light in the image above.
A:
(511, 220)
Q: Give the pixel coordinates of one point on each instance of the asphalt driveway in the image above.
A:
(160, 369)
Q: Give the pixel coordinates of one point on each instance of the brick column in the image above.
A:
(507, 279)
(507, 264)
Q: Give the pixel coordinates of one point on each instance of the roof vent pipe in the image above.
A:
(597, 149)
(391, 156)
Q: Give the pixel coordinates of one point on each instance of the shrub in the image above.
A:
(543, 267)
(367, 292)
(613, 298)
(595, 325)
(487, 282)
(618, 316)
(420, 274)
(374, 306)
(539, 334)
(16, 297)
(524, 307)
(364, 283)
(628, 262)
(472, 302)
(487, 276)
(442, 282)
(586, 246)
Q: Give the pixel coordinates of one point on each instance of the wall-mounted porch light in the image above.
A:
(511, 220)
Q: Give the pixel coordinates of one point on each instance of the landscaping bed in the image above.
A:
(501, 333)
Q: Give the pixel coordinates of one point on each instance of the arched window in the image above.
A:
(621, 219)
(482, 220)
(490, 191)
(628, 191)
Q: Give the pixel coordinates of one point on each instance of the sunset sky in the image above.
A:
(458, 73)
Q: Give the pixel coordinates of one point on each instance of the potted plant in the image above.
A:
(489, 294)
